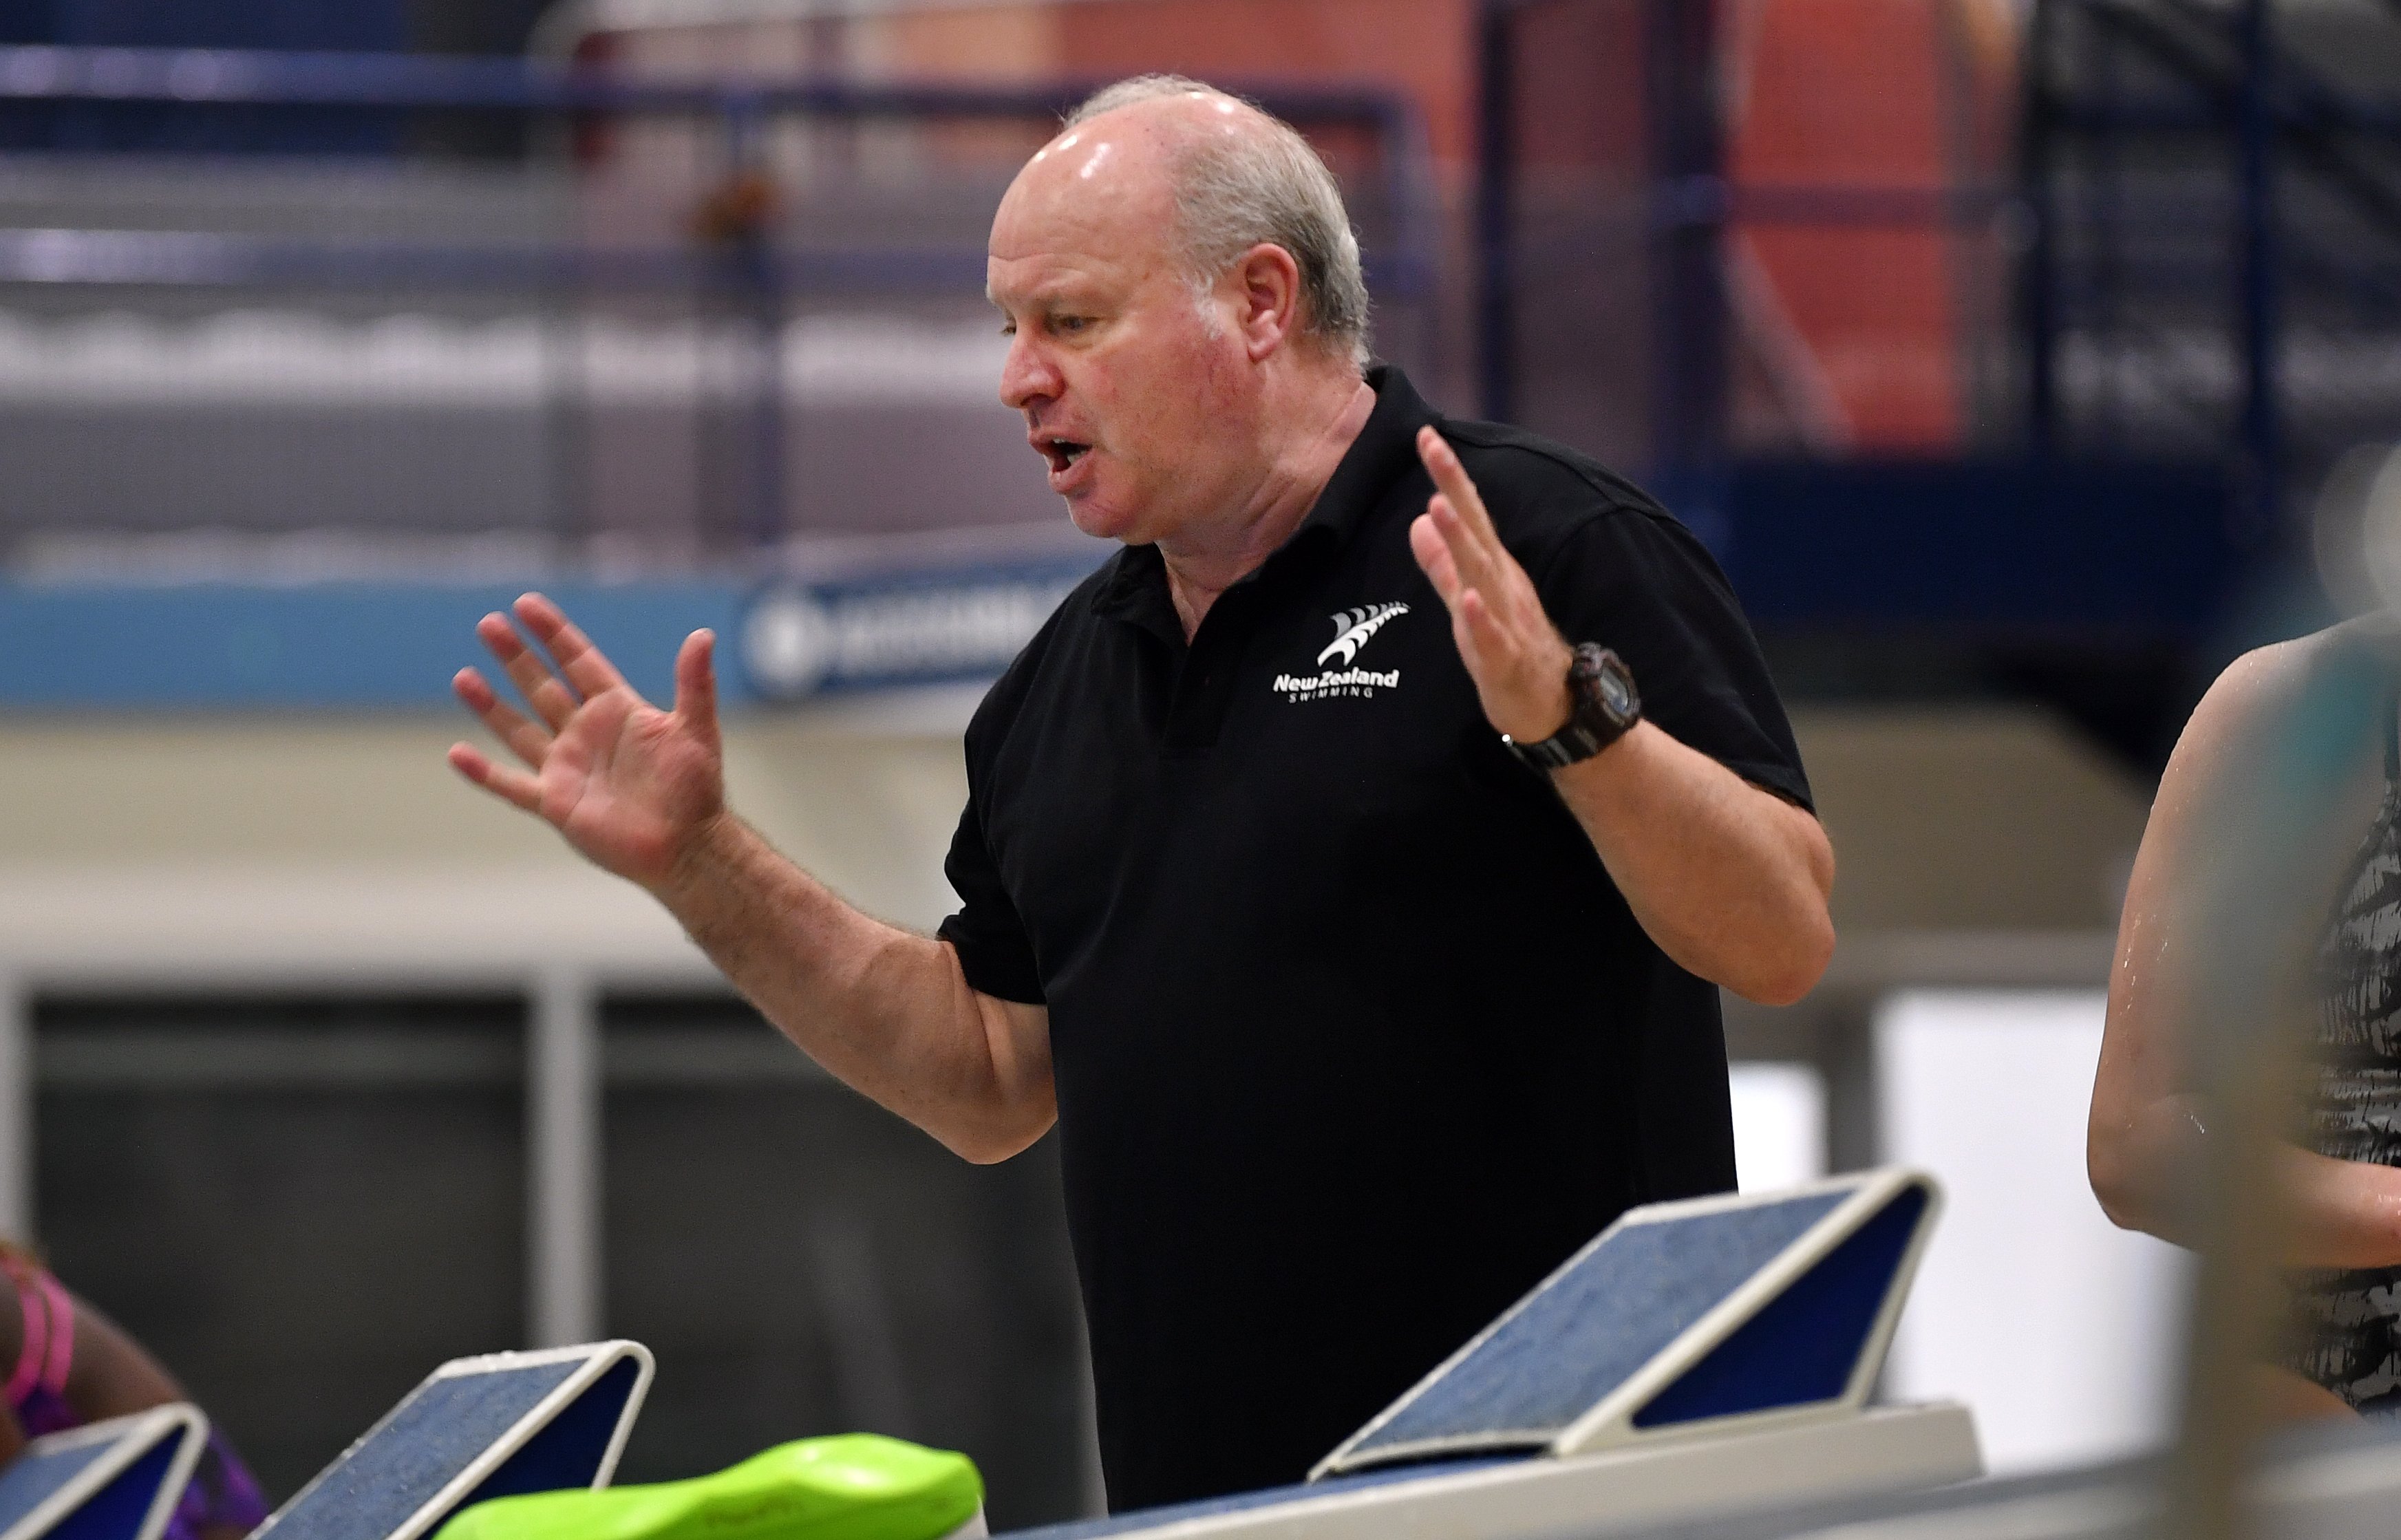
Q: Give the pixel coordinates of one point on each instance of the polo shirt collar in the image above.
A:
(1385, 449)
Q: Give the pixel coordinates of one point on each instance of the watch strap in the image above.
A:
(1569, 745)
(1595, 719)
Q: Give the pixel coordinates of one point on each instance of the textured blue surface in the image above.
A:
(1151, 1519)
(1804, 1346)
(37, 1473)
(115, 1511)
(420, 1447)
(1578, 1336)
(567, 1452)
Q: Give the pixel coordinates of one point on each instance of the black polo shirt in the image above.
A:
(1354, 1039)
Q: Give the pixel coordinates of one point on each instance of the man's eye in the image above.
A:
(1069, 323)
(1008, 328)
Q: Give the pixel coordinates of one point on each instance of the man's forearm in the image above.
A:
(888, 1011)
(1730, 881)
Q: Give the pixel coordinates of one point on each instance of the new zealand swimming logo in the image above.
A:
(1352, 630)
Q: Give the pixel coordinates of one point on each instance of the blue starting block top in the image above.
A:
(1694, 1354)
(488, 1426)
(1678, 1314)
(115, 1480)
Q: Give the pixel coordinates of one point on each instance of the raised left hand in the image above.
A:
(633, 787)
(1515, 654)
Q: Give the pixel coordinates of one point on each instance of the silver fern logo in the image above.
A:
(1352, 628)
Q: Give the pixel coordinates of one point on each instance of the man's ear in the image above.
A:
(1266, 298)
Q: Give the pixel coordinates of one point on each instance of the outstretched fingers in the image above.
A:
(1458, 514)
(545, 692)
(1435, 555)
(505, 722)
(1452, 479)
(1493, 639)
(1426, 543)
(1480, 566)
(1485, 566)
(516, 787)
(586, 666)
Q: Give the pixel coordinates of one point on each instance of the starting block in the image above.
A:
(476, 1428)
(119, 1479)
(1712, 1354)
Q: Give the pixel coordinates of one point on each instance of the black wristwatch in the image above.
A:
(1604, 709)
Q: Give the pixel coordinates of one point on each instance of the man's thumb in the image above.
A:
(695, 696)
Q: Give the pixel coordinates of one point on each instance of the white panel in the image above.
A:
(2057, 1327)
(1779, 1125)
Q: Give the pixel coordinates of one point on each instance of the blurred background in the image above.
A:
(2021, 360)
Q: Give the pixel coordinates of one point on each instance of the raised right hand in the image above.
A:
(633, 787)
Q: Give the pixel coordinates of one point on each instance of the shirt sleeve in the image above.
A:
(1643, 585)
(995, 952)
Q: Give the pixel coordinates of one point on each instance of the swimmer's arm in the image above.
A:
(886, 1011)
(2143, 1136)
(2344, 1213)
(113, 1374)
(2146, 1138)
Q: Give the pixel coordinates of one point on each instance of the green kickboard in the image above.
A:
(856, 1485)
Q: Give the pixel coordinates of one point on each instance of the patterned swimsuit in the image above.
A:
(2347, 1322)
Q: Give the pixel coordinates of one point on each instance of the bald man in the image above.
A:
(1349, 866)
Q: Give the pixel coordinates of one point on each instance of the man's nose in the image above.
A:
(1026, 376)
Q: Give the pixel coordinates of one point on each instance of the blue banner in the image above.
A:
(342, 646)
(803, 640)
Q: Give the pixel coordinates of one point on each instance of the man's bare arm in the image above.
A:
(887, 1011)
(1730, 881)
(642, 794)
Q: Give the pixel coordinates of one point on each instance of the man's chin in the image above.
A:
(1101, 519)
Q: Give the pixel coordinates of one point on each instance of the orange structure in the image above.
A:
(1851, 336)
(1863, 331)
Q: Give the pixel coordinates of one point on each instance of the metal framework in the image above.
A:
(749, 273)
(2229, 83)
(2107, 80)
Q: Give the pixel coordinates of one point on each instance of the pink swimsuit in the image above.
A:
(37, 1389)
(222, 1492)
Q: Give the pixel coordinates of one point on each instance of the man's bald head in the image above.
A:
(1186, 325)
(1240, 177)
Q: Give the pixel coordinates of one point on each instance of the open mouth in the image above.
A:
(1063, 453)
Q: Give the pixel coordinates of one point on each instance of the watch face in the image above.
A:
(1612, 685)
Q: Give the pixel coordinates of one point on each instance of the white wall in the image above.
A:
(2058, 1328)
(1779, 1125)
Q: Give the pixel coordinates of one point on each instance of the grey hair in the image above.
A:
(1234, 192)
